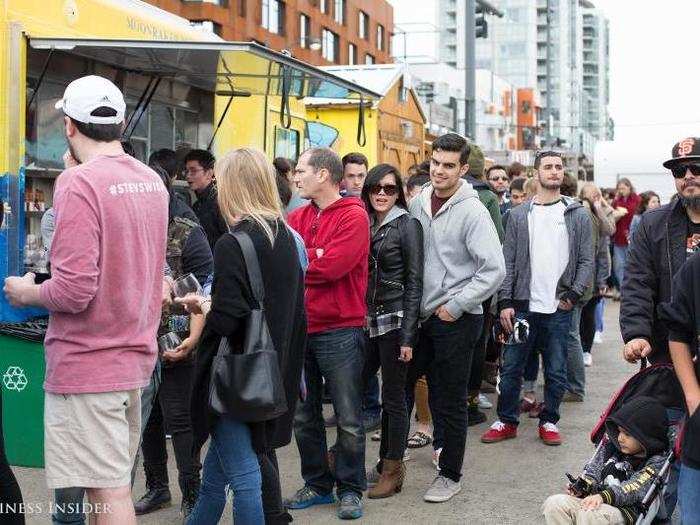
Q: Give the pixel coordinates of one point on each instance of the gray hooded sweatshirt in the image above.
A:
(464, 263)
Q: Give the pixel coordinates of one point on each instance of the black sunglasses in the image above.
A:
(679, 171)
(389, 189)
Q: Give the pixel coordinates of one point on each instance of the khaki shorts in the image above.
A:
(90, 440)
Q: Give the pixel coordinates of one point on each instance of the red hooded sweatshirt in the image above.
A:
(622, 229)
(337, 243)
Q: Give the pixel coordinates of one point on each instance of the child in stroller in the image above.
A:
(630, 459)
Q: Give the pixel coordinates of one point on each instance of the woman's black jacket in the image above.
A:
(396, 271)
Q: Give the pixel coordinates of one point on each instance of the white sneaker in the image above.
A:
(436, 458)
(598, 338)
(587, 359)
(442, 489)
(484, 403)
(407, 455)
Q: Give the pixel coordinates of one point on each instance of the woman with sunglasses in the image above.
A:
(393, 300)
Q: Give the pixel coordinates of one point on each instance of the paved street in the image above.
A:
(503, 483)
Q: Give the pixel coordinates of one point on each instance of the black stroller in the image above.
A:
(652, 381)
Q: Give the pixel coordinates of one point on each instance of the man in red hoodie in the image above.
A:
(336, 234)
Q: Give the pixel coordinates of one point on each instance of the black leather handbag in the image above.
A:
(248, 386)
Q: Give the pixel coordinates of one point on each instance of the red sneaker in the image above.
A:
(499, 431)
(549, 433)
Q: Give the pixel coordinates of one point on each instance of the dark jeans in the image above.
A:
(384, 351)
(171, 414)
(371, 406)
(587, 328)
(477, 370)
(337, 357)
(274, 510)
(444, 354)
(549, 333)
(10, 495)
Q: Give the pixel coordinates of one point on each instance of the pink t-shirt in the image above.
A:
(107, 260)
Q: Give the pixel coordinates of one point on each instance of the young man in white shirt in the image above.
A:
(549, 264)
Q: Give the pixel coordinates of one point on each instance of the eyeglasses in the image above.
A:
(680, 170)
(389, 189)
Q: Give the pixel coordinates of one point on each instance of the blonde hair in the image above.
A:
(247, 189)
(530, 187)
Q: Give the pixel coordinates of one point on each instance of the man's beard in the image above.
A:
(691, 203)
(550, 185)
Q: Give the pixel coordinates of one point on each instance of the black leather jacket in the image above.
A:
(396, 273)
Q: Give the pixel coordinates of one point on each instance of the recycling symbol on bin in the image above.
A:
(14, 379)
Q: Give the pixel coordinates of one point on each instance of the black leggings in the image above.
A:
(383, 352)
(587, 328)
(10, 495)
(275, 513)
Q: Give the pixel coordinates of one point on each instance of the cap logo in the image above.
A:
(685, 147)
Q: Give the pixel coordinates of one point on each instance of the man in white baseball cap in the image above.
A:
(104, 299)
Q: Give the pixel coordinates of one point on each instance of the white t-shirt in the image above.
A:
(549, 254)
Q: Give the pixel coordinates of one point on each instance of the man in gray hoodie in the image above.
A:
(549, 260)
(463, 266)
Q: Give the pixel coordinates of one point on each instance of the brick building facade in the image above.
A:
(319, 32)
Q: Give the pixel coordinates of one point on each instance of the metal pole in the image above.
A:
(470, 69)
(550, 84)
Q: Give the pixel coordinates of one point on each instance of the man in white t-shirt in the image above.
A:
(548, 251)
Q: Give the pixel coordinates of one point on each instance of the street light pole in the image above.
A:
(470, 69)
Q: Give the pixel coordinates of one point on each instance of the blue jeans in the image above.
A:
(688, 491)
(231, 462)
(619, 258)
(599, 313)
(549, 333)
(69, 500)
(336, 356)
(371, 406)
(575, 369)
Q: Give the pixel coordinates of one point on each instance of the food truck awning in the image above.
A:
(218, 67)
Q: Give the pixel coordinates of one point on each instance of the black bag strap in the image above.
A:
(251, 261)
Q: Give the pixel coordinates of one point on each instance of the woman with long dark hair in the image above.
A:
(648, 200)
(393, 301)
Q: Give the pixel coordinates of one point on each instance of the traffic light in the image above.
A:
(482, 27)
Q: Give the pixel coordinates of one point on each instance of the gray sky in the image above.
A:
(653, 78)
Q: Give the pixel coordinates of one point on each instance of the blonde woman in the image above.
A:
(250, 203)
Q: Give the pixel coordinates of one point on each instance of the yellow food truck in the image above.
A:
(185, 88)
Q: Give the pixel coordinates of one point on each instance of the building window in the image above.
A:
(273, 16)
(323, 6)
(352, 54)
(242, 8)
(369, 59)
(380, 37)
(363, 25)
(304, 30)
(208, 26)
(339, 11)
(329, 45)
(286, 143)
(403, 91)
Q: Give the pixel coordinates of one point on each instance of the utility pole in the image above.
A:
(470, 69)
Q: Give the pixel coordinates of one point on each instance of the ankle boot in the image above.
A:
(390, 480)
(157, 492)
(190, 493)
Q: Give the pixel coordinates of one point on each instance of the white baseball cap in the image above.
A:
(84, 95)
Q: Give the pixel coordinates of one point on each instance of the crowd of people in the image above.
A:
(320, 273)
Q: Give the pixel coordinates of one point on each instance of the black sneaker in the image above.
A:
(475, 416)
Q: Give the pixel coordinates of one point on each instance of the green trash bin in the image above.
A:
(22, 367)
